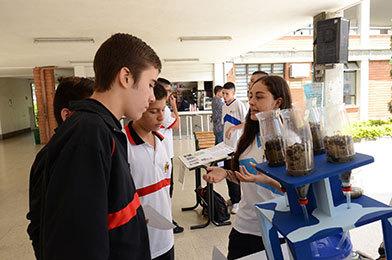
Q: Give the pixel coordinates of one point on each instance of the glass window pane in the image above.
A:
(240, 69)
(266, 68)
(252, 68)
(349, 90)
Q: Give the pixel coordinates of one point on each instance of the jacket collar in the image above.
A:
(94, 106)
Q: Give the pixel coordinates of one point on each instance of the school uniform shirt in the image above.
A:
(247, 221)
(150, 169)
(233, 114)
(167, 131)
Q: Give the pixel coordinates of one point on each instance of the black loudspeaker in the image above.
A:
(332, 41)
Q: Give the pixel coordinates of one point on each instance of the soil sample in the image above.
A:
(339, 148)
(317, 137)
(274, 152)
(299, 159)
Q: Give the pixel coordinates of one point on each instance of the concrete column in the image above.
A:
(334, 77)
(364, 90)
(200, 85)
(219, 74)
(364, 28)
(364, 22)
(79, 71)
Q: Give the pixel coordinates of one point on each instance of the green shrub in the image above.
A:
(371, 129)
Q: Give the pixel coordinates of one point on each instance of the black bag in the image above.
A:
(221, 213)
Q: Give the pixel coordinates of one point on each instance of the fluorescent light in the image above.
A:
(204, 38)
(80, 61)
(181, 60)
(63, 39)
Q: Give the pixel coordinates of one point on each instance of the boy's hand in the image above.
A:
(214, 174)
(229, 131)
(173, 102)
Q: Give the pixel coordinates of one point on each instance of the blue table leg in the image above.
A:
(270, 239)
(387, 233)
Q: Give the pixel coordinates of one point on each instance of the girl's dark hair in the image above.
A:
(279, 88)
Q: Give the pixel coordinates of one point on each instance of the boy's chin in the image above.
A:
(156, 128)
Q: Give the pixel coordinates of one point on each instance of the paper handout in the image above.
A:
(199, 158)
(156, 220)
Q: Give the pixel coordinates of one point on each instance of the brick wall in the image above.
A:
(379, 70)
(44, 91)
(50, 89)
(380, 89)
(379, 96)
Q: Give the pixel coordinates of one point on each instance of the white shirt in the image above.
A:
(151, 169)
(167, 131)
(247, 220)
(233, 114)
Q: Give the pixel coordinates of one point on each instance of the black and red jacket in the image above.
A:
(90, 208)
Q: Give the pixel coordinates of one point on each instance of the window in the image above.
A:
(350, 83)
(350, 88)
(243, 72)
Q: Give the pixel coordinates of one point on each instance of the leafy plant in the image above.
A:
(371, 129)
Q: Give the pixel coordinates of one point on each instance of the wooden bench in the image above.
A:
(204, 140)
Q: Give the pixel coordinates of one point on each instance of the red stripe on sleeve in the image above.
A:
(124, 215)
(113, 146)
(153, 187)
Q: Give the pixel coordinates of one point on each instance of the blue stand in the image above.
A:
(328, 213)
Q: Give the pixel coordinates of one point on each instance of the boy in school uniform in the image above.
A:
(90, 207)
(151, 170)
(170, 121)
(233, 114)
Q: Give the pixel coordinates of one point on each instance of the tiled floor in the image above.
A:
(17, 154)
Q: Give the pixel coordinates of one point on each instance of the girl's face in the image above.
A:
(261, 100)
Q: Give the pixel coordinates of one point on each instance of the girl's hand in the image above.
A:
(214, 174)
(245, 176)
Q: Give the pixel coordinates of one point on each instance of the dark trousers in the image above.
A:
(234, 188)
(241, 245)
(218, 137)
(169, 255)
(171, 180)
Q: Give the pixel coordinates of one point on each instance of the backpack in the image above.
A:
(221, 213)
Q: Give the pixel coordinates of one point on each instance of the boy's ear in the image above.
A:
(125, 78)
(65, 113)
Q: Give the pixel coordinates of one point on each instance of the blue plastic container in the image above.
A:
(326, 248)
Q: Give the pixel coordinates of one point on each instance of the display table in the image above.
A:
(328, 212)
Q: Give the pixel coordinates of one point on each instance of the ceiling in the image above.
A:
(160, 23)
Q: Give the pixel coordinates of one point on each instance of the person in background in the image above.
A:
(91, 209)
(233, 113)
(171, 121)
(255, 76)
(151, 170)
(69, 89)
(266, 93)
(216, 117)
